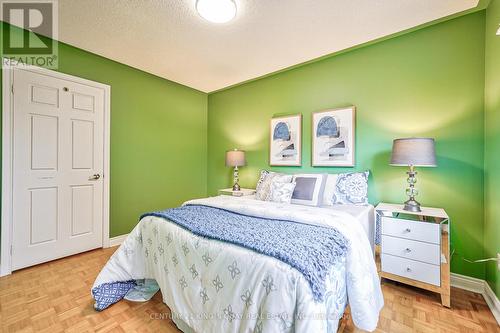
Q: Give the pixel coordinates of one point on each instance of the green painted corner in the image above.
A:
(158, 137)
(492, 145)
(426, 83)
(481, 5)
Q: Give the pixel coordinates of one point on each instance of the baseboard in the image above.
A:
(481, 287)
(492, 301)
(467, 283)
(118, 240)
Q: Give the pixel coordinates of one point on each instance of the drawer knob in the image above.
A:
(408, 269)
(407, 230)
(408, 250)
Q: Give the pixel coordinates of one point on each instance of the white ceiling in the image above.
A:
(168, 38)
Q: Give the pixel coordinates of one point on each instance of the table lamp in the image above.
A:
(413, 152)
(235, 158)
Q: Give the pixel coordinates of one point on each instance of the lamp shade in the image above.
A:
(235, 158)
(420, 152)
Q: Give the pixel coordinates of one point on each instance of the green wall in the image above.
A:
(158, 137)
(430, 82)
(492, 144)
(426, 83)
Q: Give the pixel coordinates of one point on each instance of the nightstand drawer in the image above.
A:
(410, 249)
(411, 269)
(420, 231)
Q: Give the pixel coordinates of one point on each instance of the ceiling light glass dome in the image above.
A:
(216, 11)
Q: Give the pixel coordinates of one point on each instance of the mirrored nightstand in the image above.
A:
(415, 247)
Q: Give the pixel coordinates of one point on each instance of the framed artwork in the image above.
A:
(333, 135)
(285, 143)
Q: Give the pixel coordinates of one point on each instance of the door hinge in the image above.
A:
(11, 250)
(12, 88)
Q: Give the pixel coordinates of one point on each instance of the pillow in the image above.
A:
(309, 189)
(346, 188)
(263, 187)
(263, 175)
(281, 192)
(330, 184)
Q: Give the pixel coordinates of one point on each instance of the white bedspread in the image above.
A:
(220, 287)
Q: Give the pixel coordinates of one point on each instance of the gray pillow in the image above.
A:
(309, 189)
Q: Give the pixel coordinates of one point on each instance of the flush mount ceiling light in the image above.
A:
(216, 11)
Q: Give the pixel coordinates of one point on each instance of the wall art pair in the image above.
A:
(332, 144)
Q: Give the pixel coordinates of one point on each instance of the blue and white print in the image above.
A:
(351, 188)
(110, 293)
(333, 137)
(233, 270)
(285, 143)
(281, 192)
(217, 282)
(267, 236)
(194, 272)
(281, 131)
(327, 126)
(266, 295)
(247, 298)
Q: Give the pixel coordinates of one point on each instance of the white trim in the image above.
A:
(5, 253)
(467, 283)
(106, 168)
(7, 124)
(492, 301)
(118, 240)
(481, 287)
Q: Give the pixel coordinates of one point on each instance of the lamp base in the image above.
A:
(412, 205)
(236, 179)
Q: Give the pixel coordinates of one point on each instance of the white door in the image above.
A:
(57, 168)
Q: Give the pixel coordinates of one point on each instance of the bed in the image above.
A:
(364, 215)
(212, 285)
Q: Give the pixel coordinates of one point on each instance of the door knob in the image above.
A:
(95, 177)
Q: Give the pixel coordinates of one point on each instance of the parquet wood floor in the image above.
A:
(55, 297)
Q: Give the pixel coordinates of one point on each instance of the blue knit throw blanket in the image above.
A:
(312, 250)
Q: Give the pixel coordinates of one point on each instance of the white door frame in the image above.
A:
(7, 157)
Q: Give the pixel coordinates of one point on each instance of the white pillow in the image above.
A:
(263, 187)
(346, 188)
(309, 188)
(281, 192)
(331, 181)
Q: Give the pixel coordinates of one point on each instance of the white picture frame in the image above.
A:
(285, 141)
(333, 137)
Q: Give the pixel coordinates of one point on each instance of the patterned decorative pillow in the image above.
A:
(309, 189)
(346, 188)
(263, 188)
(263, 175)
(281, 192)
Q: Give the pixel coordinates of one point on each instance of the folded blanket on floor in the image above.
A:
(312, 250)
(110, 293)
